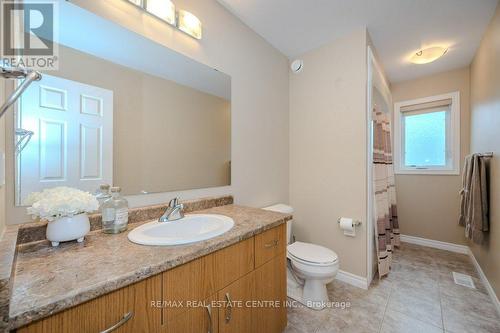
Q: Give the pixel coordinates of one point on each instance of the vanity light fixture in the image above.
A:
(165, 10)
(137, 2)
(425, 56)
(189, 23)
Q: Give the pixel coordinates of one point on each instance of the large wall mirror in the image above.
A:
(123, 110)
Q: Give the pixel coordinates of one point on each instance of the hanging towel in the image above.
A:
(464, 197)
(474, 199)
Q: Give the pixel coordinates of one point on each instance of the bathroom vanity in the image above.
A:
(235, 282)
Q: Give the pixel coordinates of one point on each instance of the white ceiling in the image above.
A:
(397, 27)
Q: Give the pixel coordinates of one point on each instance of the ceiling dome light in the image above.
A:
(428, 55)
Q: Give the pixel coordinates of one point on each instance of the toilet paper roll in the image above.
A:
(347, 225)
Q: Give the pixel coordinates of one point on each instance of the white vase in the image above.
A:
(68, 228)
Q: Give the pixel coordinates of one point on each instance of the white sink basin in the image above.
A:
(192, 228)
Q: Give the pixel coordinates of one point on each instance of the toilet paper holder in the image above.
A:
(355, 223)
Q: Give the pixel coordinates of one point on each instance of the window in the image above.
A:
(427, 135)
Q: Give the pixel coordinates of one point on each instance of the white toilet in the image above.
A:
(311, 267)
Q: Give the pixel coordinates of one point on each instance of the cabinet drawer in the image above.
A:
(269, 244)
(130, 306)
(234, 262)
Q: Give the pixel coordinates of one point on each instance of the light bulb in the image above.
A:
(163, 9)
(189, 24)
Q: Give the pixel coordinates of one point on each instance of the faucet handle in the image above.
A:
(174, 202)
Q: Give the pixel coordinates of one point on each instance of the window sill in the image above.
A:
(428, 172)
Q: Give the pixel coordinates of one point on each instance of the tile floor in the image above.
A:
(418, 296)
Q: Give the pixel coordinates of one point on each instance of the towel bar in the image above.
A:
(488, 155)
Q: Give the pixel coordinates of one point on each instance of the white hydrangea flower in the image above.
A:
(57, 202)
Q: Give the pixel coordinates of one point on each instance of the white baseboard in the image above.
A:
(352, 279)
(435, 244)
(485, 281)
(459, 249)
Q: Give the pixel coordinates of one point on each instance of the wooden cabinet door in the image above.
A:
(235, 314)
(147, 313)
(270, 291)
(269, 244)
(190, 282)
(234, 262)
(201, 319)
(128, 309)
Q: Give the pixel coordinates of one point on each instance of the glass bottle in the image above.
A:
(103, 194)
(115, 213)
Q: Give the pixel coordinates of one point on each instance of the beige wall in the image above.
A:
(429, 205)
(328, 147)
(259, 72)
(485, 137)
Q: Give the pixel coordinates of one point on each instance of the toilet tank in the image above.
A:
(282, 208)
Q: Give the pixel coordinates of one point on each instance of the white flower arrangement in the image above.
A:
(54, 203)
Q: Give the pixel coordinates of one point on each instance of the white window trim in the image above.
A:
(454, 139)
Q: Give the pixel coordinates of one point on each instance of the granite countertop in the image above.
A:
(48, 280)
(7, 262)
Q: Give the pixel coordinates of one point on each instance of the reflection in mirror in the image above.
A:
(122, 110)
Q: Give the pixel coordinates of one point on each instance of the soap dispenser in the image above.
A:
(115, 213)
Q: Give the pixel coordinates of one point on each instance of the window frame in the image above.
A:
(452, 136)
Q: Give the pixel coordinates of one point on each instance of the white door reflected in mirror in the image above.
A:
(72, 142)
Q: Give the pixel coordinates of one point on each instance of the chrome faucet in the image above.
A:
(174, 211)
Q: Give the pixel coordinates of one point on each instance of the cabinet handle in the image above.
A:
(271, 244)
(122, 321)
(229, 309)
(210, 323)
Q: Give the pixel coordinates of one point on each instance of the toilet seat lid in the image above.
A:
(312, 253)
